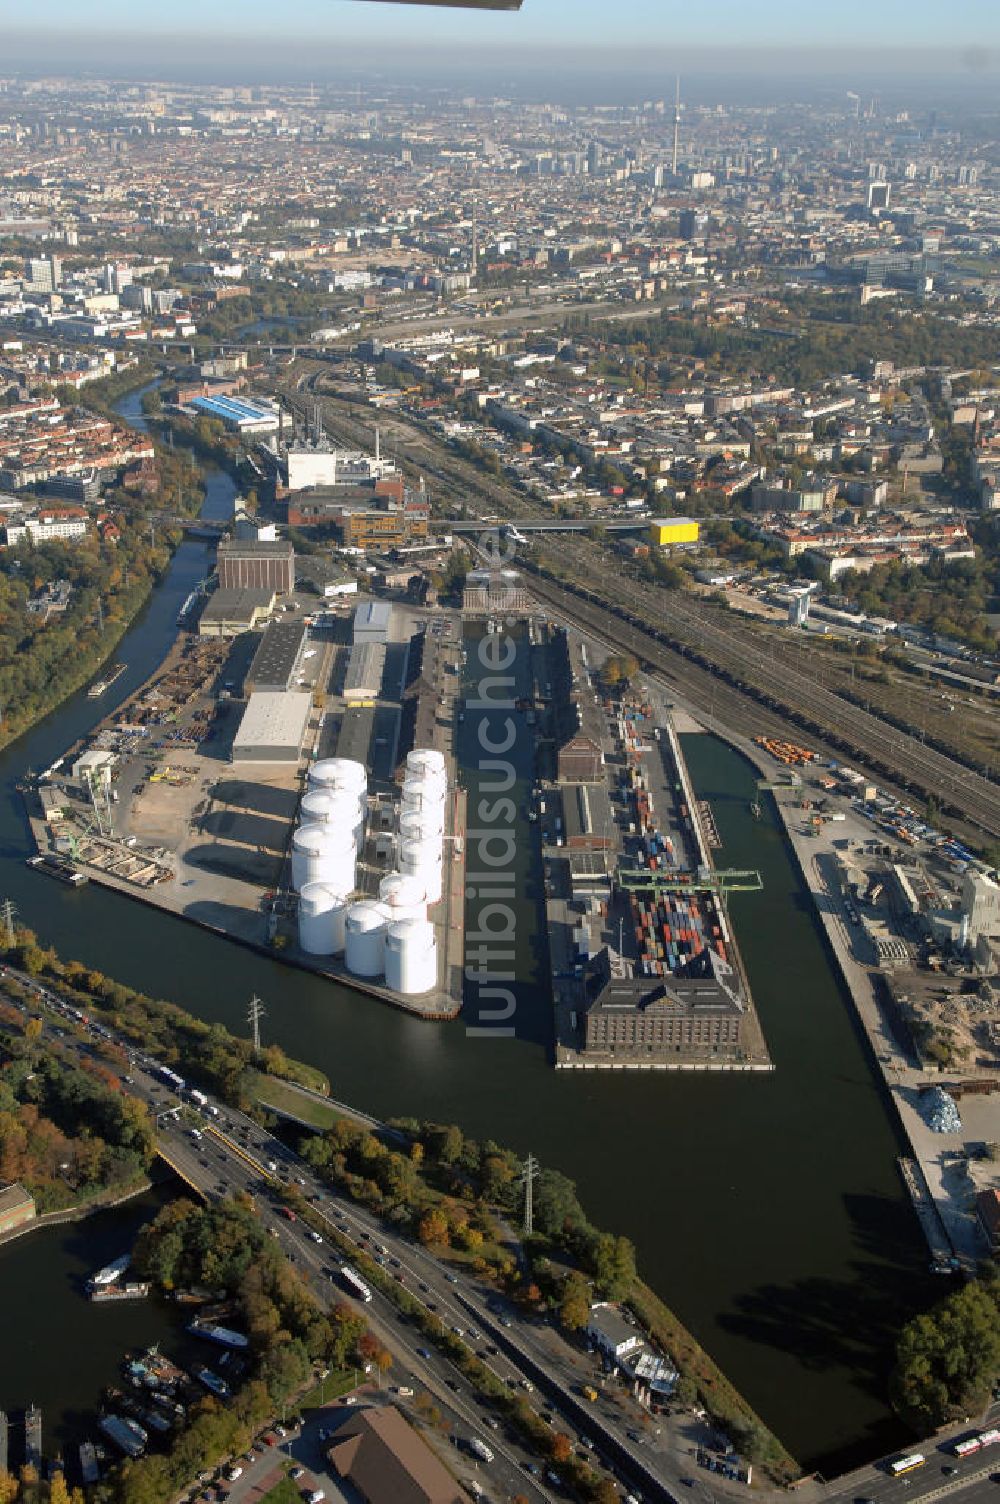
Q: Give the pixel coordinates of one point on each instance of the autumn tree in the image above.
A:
(433, 1227)
(560, 1447)
(574, 1303)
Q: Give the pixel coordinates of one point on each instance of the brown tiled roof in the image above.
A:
(388, 1463)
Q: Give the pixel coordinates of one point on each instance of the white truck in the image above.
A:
(480, 1449)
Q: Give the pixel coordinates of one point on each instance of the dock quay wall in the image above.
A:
(102, 1202)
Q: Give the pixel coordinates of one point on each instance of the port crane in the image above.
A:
(721, 880)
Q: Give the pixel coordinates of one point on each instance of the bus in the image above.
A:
(966, 1446)
(906, 1464)
(355, 1283)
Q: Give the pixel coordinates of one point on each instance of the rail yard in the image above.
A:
(720, 673)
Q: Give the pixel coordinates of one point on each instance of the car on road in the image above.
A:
(452, 1279)
(234, 1473)
(316, 1496)
(298, 1472)
(452, 1385)
(315, 1237)
(424, 1352)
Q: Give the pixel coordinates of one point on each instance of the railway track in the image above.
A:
(749, 690)
(424, 455)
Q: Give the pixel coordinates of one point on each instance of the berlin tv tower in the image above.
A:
(677, 126)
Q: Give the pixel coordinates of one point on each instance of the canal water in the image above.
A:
(59, 1350)
(765, 1209)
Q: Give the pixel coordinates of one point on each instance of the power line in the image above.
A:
(8, 913)
(529, 1173)
(255, 1013)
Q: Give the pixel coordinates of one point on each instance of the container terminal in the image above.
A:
(646, 970)
(293, 788)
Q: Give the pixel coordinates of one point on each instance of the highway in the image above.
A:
(221, 1152)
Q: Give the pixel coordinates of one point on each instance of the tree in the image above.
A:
(560, 1447)
(433, 1227)
(948, 1359)
(614, 1265)
(574, 1305)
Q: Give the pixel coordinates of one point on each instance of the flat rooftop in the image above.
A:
(235, 410)
(273, 719)
(355, 735)
(275, 659)
(253, 548)
(237, 605)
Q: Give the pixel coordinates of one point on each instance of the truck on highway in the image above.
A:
(287, 1213)
(198, 1098)
(480, 1449)
(355, 1283)
(589, 1392)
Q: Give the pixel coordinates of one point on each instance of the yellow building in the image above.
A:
(667, 530)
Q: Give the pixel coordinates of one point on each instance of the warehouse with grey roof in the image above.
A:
(273, 727)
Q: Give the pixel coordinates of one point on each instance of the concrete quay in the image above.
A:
(196, 836)
(941, 1194)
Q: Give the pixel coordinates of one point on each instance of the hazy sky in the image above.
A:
(626, 23)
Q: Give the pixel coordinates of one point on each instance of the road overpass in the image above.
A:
(553, 525)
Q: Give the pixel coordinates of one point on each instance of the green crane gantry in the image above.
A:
(706, 880)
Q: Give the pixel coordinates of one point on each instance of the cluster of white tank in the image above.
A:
(325, 850)
(393, 936)
(421, 821)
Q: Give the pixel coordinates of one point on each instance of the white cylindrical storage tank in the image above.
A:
(336, 808)
(430, 778)
(404, 895)
(328, 806)
(411, 956)
(364, 939)
(421, 825)
(323, 853)
(423, 760)
(322, 910)
(423, 796)
(338, 773)
(423, 859)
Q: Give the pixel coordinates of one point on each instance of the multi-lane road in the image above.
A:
(221, 1152)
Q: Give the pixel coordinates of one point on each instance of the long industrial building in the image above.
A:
(633, 1019)
(273, 727)
(275, 661)
(256, 566)
(365, 667)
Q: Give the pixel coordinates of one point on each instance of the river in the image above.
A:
(766, 1210)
